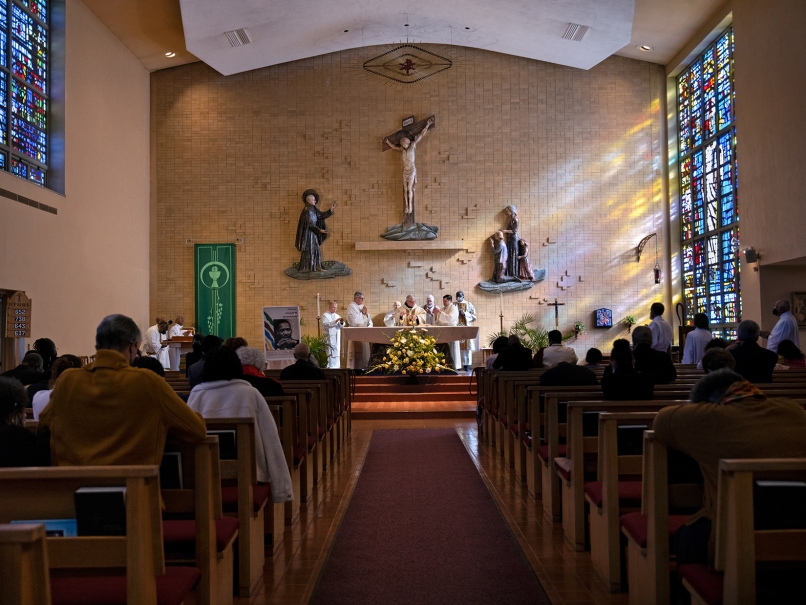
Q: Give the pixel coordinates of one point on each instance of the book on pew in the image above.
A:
(171, 471)
(631, 439)
(100, 511)
(227, 446)
(779, 504)
(54, 528)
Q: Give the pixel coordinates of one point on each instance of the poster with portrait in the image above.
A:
(799, 308)
(281, 331)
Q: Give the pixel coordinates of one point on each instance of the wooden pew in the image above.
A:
(344, 377)
(195, 528)
(308, 413)
(649, 532)
(291, 418)
(247, 500)
(24, 575)
(47, 493)
(739, 545)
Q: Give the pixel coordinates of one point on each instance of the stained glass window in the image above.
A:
(24, 69)
(708, 188)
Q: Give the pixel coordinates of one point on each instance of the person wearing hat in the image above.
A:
(311, 232)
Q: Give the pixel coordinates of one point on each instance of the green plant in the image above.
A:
(320, 348)
(629, 320)
(494, 336)
(579, 327)
(531, 338)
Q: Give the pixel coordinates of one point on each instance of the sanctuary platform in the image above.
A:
(379, 397)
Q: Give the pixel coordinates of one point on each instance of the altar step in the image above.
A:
(394, 397)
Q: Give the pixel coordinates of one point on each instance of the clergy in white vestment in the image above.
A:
(429, 309)
(467, 316)
(175, 353)
(154, 343)
(358, 317)
(390, 319)
(785, 329)
(333, 323)
(697, 339)
(411, 314)
(448, 315)
(661, 330)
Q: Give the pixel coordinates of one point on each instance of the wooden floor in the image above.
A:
(291, 575)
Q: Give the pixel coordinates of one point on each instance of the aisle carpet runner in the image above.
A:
(423, 528)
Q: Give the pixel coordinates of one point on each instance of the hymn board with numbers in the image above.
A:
(18, 316)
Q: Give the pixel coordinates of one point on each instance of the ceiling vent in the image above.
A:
(575, 32)
(238, 37)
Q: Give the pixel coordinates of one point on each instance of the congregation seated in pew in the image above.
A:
(753, 362)
(149, 363)
(18, 446)
(499, 344)
(224, 394)
(716, 359)
(650, 361)
(555, 353)
(728, 418)
(109, 413)
(790, 355)
(30, 370)
(593, 358)
(252, 360)
(621, 381)
(302, 368)
(514, 357)
(210, 343)
(569, 374)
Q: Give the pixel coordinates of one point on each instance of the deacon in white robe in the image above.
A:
(785, 329)
(154, 344)
(697, 339)
(467, 316)
(175, 353)
(448, 315)
(333, 323)
(390, 319)
(429, 309)
(358, 317)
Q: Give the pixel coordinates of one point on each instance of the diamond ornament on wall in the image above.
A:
(407, 64)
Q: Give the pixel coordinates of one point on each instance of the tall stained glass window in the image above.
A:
(24, 54)
(708, 187)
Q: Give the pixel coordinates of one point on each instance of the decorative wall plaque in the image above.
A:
(407, 64)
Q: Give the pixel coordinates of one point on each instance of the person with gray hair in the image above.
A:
(109, 413)
(30, 370)
(785, 329)
(253, 360)
(716, 359)
(650, 361)
(358, 317)
(752, 361)
(302, 369)
(728, 418)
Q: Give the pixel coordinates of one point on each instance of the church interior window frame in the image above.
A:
(706, 140)
(25, 95)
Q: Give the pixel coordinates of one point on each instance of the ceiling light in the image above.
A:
(467, 28)
(170, 54)
(644, 47)
(346, 30)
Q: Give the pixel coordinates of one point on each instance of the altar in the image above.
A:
(383, 335)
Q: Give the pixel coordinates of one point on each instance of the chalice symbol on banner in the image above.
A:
(216, 307)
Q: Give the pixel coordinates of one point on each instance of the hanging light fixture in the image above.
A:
(657, 264)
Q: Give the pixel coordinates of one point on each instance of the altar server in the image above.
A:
(154, 344)
(358, 317)
(467, 316)
(178, 329)
(448, 315)
(333, 323)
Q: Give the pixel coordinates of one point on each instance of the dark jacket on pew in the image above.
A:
(568, 374)
(627, 385)
(302, 370)
(754, 362)
(515, 358)
(657, 363)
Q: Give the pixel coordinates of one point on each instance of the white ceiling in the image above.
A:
(285, 30)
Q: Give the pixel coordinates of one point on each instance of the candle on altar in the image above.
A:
(501, 299)
(318, 310)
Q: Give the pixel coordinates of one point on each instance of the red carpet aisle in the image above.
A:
(422, 528)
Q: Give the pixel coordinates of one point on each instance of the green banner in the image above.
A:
(215, 289)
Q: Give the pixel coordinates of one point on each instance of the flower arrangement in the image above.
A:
(630, 321)
(579, 327)
(412, 352)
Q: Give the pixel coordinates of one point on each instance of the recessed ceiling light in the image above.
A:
(644, 47)
(170, 54)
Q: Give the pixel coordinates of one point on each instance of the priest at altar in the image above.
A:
(411, 314)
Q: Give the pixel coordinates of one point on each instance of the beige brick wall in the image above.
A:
(577, 151)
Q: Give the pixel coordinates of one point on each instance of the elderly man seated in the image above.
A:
(302, 369)
(651, 361)
(108, 412)
(752, 361)
(557, 351)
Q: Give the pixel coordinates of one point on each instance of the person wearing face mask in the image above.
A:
(785, 329)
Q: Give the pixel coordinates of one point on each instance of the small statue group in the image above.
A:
(511, 253)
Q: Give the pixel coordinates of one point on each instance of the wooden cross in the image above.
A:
(556, 306)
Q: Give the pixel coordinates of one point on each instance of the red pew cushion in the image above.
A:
(229, 497)
(172, 588)
(629, 493)
(707, 583)
(181, 534)
(299, 455)
(543, 451)
(635, 524)
(527, 439)
(311, 442)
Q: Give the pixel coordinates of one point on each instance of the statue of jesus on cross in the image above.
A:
(408, 147)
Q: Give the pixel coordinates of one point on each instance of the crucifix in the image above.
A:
(556, 306)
